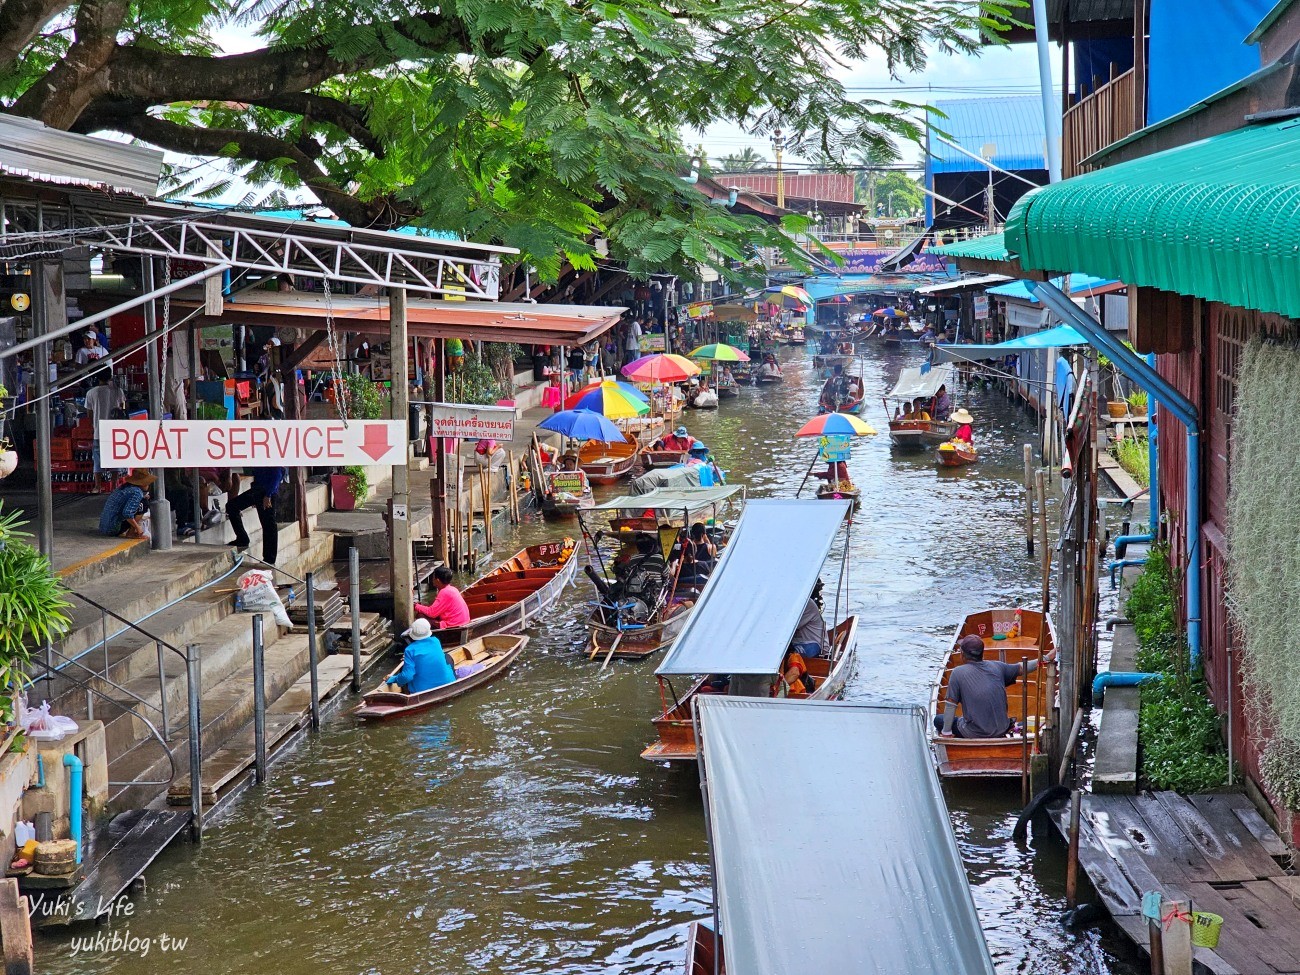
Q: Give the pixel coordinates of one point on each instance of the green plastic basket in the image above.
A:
(1205, 929)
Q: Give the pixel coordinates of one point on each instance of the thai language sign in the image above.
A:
(473, 422)
(251, 443)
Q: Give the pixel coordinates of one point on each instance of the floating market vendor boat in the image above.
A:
(913, 384)
(955, 453)
(477, 663)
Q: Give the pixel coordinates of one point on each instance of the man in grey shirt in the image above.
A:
(809, 638)
(980, 687)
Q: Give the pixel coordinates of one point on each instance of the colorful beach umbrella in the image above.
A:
(890, 312)
(835, 424)
(719, 352)
(611, 399)
(662, 368)
(790, 296)
(583, 425)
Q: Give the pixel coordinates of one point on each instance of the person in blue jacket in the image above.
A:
(424, 664)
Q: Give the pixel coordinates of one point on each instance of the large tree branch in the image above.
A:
(79, 78)
(20, 22)
(347, 118)
(133, 120)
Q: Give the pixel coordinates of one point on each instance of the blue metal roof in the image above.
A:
(1012, 125)
(1080, 284)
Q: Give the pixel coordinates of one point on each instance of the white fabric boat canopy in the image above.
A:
(667, 499)
(750, 607)
(848, 866)
(913, 383)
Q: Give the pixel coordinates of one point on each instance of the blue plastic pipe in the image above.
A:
(1120, 679)
(1153, 479)
(40, 771)
(1176, 403)
(1118, 566)
(73, 763)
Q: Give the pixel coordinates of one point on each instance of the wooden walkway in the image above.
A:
(1214, 850)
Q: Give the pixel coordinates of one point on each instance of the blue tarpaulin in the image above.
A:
(1197, 48)
(1052, 338)
(1080, 284)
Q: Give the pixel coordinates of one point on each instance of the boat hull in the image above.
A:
(383, 705)
(676, 725)
(956, 457)
(639, 643)
(522, 595)
(992, 758)
(701, 945)
(607, 463)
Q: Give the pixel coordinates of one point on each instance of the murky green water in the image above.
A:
(518, 831)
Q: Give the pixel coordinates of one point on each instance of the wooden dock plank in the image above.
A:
(1261, 830)
(1131, 842)
(1220, 815)
(1221, 844)
(1254, 938)
(1170, 845)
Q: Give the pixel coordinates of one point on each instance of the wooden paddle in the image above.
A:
(612, 647)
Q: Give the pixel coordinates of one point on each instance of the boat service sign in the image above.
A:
(251, 443)
(473, 422)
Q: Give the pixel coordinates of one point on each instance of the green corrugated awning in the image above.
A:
(1218, 219)
(990, 247)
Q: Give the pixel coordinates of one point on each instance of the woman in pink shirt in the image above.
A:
(448, 608)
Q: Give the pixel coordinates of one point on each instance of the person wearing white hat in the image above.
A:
(424, 664)
(91, 350)
(963, 419)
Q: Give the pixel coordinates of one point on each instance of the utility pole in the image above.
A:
(778, 143)
(401, 569)
(1051, 107)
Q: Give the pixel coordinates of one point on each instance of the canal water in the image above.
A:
(518, 831)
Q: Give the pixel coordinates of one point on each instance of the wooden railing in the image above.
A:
(1099, 120)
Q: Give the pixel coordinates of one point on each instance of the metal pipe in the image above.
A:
(1119, 678)
(1068, 750)
(162, 693)
(1120, 564)
(76, 773)
(354, 607)
(311, 652)
(81, 323)
(193, 680)
(41, 363)
(259, 700)
(159, 510)
(1051, 108)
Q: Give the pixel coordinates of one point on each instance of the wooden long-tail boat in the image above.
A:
(999, 757)
(661, 458)
(955, 453)
(701, 943)
(504, 600)
(829, 491)
(482, 660)
(830, 673)
(919, 433)
(607, 463)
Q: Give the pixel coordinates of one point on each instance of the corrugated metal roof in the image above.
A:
(1087, 11)
(990, 247)
(1218, 219)
(833, 187)
(1010, 127)
(31, 150)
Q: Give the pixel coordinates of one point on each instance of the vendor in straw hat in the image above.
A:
(123, 508)
(963, 419)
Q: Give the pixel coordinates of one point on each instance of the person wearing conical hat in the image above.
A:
(123, 508)
(963, 419)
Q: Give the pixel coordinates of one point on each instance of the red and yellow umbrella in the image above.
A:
(664, 368)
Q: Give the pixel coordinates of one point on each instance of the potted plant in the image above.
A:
(1137, 402)
(348, 487)
(33, 607)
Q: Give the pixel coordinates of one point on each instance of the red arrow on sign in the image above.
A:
(376, 440)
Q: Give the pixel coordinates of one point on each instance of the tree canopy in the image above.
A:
(534, 123)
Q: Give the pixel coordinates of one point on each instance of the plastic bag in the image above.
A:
(40, 724)
(257, 594)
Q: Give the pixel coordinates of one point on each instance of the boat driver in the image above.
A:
(424, 663)
(980, 687)
(679, 439)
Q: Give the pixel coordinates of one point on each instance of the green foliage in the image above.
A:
(1263, 559)
(32, 600)
(1153, 607)
(1134, 455)
(1137, 402)
(358, 482)
(364, 399)
(1178, 728)
(532, 123)
(474, 383)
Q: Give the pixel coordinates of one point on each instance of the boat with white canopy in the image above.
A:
(849, 865)
(914, 384)
(736, 640)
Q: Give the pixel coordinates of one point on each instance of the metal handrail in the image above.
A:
(90, 689)
(275, 568)
(100, 677)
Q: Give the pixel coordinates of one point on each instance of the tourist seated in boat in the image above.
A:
(963, 419)
(727, 378)
(424, 663)
(834, 391)
(980, 687)
(679, 439)
(795, 679)
(919, 411)
(810, 637)
(448, 608)
(710, 472)
(942, 403)
(699, 556)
